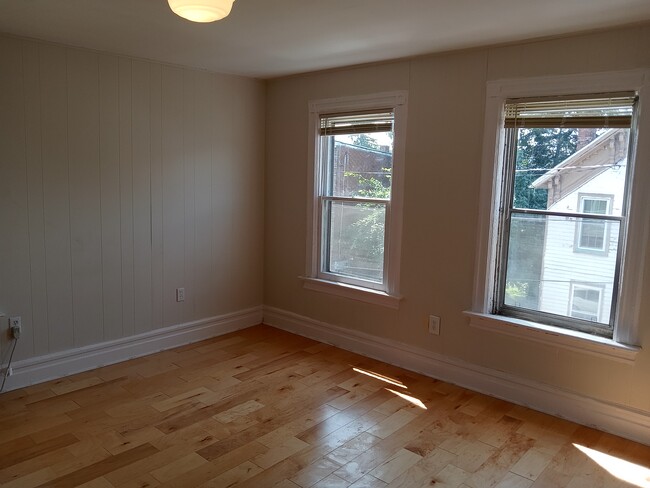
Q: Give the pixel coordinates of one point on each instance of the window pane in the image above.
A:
(356, 239)
(360, 165)
(592, 235)
(586, 303)
(525, 261)
(589, 205)
(554, 164)
(542, 265)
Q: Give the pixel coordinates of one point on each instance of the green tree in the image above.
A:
(372, 187)
(369, 235)
(539, 150)
(364, 140)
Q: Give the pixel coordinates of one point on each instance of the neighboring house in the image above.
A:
(580, 254)
(353, 162)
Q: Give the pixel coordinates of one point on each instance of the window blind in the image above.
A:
(609, 111)
(355, 123)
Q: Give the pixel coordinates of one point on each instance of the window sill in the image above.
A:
(546, 334)
(353, 292)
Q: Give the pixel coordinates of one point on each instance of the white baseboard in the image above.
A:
(64, 363)
(617, 419)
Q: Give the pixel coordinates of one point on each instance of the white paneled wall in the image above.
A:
(121, 180)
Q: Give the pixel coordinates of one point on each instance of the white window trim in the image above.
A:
(626, 332)
(572, 340)
(358, 293)
(388, 294)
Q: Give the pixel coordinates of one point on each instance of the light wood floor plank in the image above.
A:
(261, 408)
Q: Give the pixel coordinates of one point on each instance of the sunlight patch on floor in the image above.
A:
(409, 398)
(623, 470)
(380, 377)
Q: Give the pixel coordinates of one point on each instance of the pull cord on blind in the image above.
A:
(594, 111)
(356, 123)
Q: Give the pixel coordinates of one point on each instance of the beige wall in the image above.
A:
(121, 180)
(443, 158)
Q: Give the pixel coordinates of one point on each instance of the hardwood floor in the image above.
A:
(262, 408)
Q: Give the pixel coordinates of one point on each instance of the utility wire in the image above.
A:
(570, 168)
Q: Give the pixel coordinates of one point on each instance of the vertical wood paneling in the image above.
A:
(109, 156)
(5, 183)
(56, 196)
(141, 196)
(85, 202)
(37, 265)
(172, 191)
(122, 180)
(126, 195)
(14, 251)
(189, 181)
(156, 198)
(204, 279)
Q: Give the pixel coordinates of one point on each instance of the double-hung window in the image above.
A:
(555, 150)
(356, 155)
(356, 203)
(564, 210)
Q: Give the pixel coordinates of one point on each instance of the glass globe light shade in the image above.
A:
(201, 10)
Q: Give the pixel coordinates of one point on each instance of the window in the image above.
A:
(585, 302)
(556, 148)
(562, 204)
(356, 160)
(356, 205)
(592, 234)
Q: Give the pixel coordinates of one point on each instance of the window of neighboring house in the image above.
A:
(356, 209)
(592, 234)
(585, 302)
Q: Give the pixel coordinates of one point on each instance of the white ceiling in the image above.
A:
(269, 38)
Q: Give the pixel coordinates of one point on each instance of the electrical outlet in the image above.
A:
(180, 294)
(15, 326)
(434, 325)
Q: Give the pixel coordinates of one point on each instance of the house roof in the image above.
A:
(269, 38)
(594, 157)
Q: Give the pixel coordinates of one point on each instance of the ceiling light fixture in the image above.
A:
(201, 10)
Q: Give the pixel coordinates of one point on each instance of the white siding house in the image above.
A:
(579, 263)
